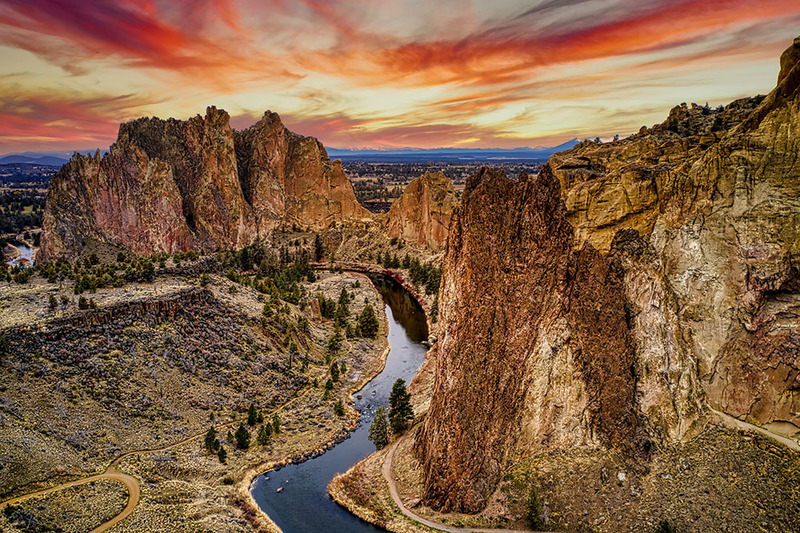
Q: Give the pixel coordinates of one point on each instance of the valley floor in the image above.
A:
(724, 479)
(151, 369)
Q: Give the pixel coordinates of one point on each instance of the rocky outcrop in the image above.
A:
(422, 214)
(290, 178)
(535, 351)
(169, 185)
(622, 295)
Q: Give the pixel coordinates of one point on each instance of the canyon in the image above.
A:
(620, 307)
(620, 298)
(172, 185)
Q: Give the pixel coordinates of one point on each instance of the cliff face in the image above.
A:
(169, 185)
(422, 214)
(622, 295)
(535, 351)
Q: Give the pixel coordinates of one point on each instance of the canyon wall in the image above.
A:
(422, 214)
(622, 295)
(168, 185)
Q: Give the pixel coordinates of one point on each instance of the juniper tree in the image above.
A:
(367, 325)
(222, 454)
(533, 510)
(338, 407)
(335, 342)
(319, 248)
(242, 437)
(379, 429)
(263, 435)
(400, 410)
(211, 436)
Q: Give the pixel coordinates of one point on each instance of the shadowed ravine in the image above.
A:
(303, 504)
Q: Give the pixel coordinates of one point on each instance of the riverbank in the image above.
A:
(725, 475)
(287, 493)
(245, 487)
(183, 487)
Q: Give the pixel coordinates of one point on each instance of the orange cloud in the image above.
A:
(497, 63)
(44, 122)
(509, 52)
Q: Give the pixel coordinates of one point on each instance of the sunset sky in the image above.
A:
(380, 73)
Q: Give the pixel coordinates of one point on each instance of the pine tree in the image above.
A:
(319, 249)
(368, 323)
(533, 510)
(379, 429)
(242, 437)
(334, 372)
(222, 454)
(52, 302)
(211, 436)
(263, 435)
(344, 302)
(338, 408)
(252, 415)
(335, 342)
(276, 424)
(400, 410)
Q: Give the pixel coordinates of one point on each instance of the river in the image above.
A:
(25, 253)
(303, 505)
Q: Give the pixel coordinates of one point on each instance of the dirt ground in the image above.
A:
(158, 364)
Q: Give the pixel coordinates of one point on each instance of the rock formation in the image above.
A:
(169, 185)
(422, 214)
(621, 296)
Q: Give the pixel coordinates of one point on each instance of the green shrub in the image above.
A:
(533, 510)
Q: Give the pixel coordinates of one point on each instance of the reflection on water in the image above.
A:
(303, 503)
(405, 308)
(26, 253)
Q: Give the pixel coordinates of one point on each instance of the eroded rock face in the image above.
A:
(422, 214)
(535, 351)
(289, 177)
(621, 296)
(169, 185)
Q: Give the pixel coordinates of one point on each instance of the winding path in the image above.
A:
(131, 483)
(731, 421)
(386, 470)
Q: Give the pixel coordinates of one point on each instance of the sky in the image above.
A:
(380, 73)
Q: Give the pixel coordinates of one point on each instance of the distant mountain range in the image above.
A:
(394, 155)
(33, 158)
(451, 154)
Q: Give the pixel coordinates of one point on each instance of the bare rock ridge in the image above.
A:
(550, 366)
(422, 214)
(621, 295)
(169, 185)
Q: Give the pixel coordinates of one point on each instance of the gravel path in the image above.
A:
(386, 469)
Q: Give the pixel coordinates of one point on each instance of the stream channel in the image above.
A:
(303, 504)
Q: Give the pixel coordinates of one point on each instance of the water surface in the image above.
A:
(303, 505)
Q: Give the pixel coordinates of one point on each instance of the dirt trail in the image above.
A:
(130, 483)
(730, 421)
(386, 469)
(112, 473)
